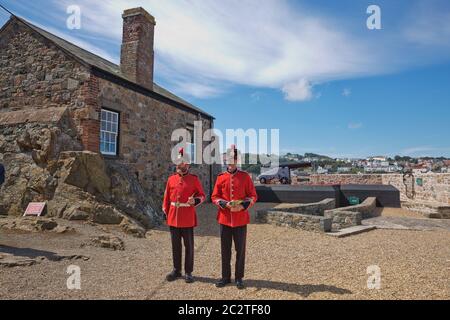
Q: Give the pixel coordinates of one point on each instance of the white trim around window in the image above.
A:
(109, 132)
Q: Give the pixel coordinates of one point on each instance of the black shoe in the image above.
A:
(240, 284)
(222, 283)
(174, 275)
(189, 278)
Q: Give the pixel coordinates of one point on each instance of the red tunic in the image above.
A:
(234, 187)
(178, 190)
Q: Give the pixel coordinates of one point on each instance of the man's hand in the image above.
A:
(191, 201)
(237, 208)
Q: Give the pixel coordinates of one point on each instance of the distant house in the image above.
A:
(377, 158)
(321, 170)
(344, 169)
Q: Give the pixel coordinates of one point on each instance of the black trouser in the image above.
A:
(239, 235)
(187, 234)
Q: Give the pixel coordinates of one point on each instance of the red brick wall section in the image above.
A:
(91, 124)
(137, 55)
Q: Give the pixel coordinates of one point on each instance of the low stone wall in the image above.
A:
(314, 209)
(428, 209)
(351, 216)
(330, 179)
(295, 220)
(343, 219)
(366, 209)
(309, 217)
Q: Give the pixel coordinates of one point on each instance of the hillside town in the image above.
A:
(376, 164)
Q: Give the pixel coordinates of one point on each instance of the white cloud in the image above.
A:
(198, 90)
(240, 42)
(298, 91)
(347, 92)
(256, 96)
(427, 26)
(213, 44)
(355, 125)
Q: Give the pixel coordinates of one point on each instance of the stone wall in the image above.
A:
(435, 187)
(314, 209)
(331, 179)
(145, 142)
(309, 217)
(341, 219)
(366, 209)
(351, 216)
(35, 74)
(294, 220)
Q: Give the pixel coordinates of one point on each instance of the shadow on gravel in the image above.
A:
(304, 290)
(29, 253)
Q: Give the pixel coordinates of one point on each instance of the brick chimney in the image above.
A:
(137, 56)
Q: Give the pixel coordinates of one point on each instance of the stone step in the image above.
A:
(433, 210)
(351, 231)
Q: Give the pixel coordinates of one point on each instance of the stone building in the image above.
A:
(60, 102)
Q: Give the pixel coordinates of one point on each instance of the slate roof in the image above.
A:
(104, 65)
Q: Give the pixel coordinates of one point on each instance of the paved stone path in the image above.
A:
(406, 223)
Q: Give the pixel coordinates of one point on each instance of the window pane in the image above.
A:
(109, 129)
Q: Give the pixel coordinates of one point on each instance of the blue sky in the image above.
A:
(309, 68)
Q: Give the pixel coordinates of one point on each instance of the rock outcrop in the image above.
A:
(45, 163)
(108, 242)
(32, 224)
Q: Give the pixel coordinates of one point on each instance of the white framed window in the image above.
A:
(109, 132)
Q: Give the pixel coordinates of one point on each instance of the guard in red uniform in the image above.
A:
(234, 193)
(183, 194)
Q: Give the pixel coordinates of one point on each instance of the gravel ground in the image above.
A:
(282, 263)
